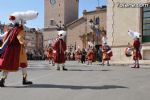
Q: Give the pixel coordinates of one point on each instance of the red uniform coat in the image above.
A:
(136, 52)
(10, 60)
(50, 53)
(106, 52)
(78, 55)
(60, 47)
(90, 55)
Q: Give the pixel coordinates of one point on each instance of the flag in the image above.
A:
(97, 21)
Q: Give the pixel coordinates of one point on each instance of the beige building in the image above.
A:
(58, 12)
(79, 32)
(123, 15)
(34, 41)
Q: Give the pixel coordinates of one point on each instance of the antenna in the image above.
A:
(98, 2)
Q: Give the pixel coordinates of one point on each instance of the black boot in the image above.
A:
(63, 68)
(138, 66)
(134, 66)
(25, 82)
(2, 81)
(58, 68)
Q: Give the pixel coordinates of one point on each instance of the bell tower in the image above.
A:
(56, 11)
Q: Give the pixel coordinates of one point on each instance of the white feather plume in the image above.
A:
(133, 34)
(24, 16)
(61, 34)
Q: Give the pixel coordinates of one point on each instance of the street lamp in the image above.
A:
(94, 24)
(60, 26)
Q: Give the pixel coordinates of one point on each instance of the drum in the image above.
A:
(128, 52)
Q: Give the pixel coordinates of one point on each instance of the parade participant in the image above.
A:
(106, 54)
(83, 56)
(60, 48)
(78, 55)
(136, 48)
(50, 55)
(14, 55)
(136, 52)
(104, 38)
(90, 56)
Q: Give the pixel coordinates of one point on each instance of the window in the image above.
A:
(146, 24)
(51, 22)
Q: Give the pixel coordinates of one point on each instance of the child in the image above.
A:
(50, 55)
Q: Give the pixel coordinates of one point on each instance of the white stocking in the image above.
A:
(4, 75)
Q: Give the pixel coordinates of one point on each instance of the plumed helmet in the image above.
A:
(17, 17)
(61, 34)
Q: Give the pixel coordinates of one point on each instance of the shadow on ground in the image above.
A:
(87, 70)
(70, 86)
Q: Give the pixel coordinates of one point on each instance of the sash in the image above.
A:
(5, 43)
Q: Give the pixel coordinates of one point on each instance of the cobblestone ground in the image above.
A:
(80, 82)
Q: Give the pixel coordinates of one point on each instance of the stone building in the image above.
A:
(79, 32)
(123, 15)
(34, 42)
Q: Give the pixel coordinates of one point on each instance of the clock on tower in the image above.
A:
(52, 2)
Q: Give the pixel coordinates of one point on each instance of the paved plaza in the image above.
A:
(80, 82)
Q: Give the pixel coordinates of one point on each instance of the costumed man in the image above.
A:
(60, 48)
(78, 55)
(136, 47)
(106, 50)
(136, 52)
(14, 55)
(83, 56)
(90, 56)
(106, 54)
(50, 54)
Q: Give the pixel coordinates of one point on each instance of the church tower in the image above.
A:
(60, 12)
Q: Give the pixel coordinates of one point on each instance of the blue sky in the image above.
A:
(9, 6)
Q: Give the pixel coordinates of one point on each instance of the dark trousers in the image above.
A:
(82, 59)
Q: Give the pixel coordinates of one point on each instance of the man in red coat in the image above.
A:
(136, 52)
(14, 55)
(90, 56)
(60, 48)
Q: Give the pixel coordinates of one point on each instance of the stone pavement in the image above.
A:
(80, 82)
(130, 62)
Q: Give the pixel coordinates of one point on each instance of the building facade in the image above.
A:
(79, 32)
(124, 15)
(34, 43)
